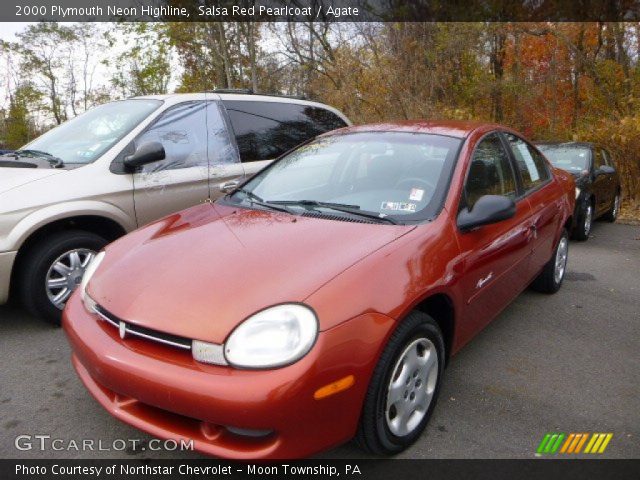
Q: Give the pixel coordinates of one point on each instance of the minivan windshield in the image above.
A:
(383, 175)
(566, 157)
(84, 138)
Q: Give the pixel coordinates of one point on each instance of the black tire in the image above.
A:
(546, 281)
(612, 214)
(582, 228)
(373, 433)
(39, 258)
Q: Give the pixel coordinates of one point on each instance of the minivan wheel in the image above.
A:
(612, 214)
(552, 275)
(583, 228)
(53, 269)
(404, 387)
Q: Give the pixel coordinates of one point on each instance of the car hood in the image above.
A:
(201, 272)
(11, 178)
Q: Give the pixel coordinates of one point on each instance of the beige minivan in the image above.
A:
(125, 163)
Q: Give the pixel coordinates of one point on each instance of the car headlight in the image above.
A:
(89, 303)
(577, 192)
(274, 337)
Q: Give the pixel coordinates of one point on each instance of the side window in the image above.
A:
(607, 158)
(182, 130)
(531, 164)
(490, 172)
(266, 130)
(221, 149)
(599, 160)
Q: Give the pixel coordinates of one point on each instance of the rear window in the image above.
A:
(532, 166)
(572, 158)
(266, 130)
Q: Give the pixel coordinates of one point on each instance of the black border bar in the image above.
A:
(320, 10)
(573, 469)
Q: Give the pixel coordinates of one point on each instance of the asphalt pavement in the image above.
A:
(568, 362)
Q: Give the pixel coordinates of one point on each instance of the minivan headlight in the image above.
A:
(88, 302)
(274, 337)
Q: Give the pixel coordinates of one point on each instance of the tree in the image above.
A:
(44, 48)
(144, 68)
(19, 127)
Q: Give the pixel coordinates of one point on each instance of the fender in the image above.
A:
(44, 216)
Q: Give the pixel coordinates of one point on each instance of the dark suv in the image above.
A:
(597, 181)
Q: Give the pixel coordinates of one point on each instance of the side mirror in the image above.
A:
(487, 209)
(146, 153)
(605, 170)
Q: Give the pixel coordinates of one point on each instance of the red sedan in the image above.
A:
(322, 299)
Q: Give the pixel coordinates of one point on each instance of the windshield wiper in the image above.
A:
(340, 207)
(256, 200)
(55, 161)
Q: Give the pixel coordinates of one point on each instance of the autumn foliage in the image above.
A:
(552, 81)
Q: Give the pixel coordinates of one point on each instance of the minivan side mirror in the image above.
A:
(487, 209)
(146, 153)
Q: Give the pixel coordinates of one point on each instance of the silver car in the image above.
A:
(123, 164)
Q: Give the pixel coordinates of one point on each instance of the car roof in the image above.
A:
(243, 97)
(451, 128)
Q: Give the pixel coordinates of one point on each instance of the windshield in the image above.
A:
(571, 158)
(388, 174)
(83, 139)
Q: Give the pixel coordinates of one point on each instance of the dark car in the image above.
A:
(597, 181)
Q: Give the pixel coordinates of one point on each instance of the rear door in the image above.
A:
(542, 192)
(224, 162)
(265, 130)
(496, 256)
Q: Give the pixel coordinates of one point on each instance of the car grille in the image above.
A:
(126, 328)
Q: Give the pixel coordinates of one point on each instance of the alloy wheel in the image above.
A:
(412, 386)
(561, 259)
(65, 274)
(588, 218)
(616, 206)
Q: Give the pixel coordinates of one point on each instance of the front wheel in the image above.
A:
(53, 269)
(552, 275)
(404, 387)
(583, 228)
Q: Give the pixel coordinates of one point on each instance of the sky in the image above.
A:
(8, 30)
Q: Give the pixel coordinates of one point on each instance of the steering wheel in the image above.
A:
(412, 181)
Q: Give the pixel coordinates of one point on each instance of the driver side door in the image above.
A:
(495, 257)
(180, 180)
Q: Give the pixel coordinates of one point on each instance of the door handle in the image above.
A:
(229, 186)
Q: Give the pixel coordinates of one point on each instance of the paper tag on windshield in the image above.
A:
(416, 194)
(399, 206)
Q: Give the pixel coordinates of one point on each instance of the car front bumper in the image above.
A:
(163, 391)
(7, 260)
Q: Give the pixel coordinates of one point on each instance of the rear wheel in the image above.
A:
(612, 214)
(404, 387)
(53, 269)
(552, 275)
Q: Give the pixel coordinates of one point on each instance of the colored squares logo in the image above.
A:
(553, 443)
